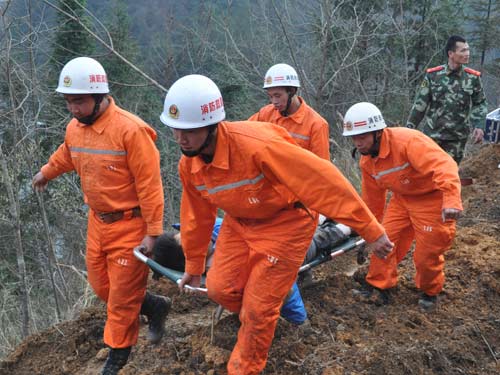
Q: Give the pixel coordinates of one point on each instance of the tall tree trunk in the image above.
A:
(13, 198)
(483, 52)
(16, 224)
(51, 258)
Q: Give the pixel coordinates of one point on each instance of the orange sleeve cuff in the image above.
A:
(452, 202)
(48, 172)
(195, 266)
(373, 231)
(155, 228)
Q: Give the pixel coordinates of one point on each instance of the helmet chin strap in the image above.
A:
(208, 140)
(374, 150)
(90, 119)
(288, 103)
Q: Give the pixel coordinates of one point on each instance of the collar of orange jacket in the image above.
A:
(102, 121)
(221, 156)
(299, 115)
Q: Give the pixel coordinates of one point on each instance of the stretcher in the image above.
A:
(176, 276)
(346, 246)
(169, 273)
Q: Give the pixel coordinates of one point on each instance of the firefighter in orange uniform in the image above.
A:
(425, 200)
(308, 129)
(287, 109)
(114, 154)
(262, 180)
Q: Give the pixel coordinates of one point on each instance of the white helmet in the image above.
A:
(83, 75)
(362, 118)
(193, 101)
(281, 75)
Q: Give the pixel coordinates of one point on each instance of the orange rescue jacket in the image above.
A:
(258, 170)
(306, 126)
(118, 164)
(408, 163)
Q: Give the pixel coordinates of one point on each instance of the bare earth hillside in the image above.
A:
(462, 336)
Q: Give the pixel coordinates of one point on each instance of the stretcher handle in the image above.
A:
(169, 273)
(338, 250)
(196, 289)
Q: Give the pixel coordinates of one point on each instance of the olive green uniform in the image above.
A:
(449, 101)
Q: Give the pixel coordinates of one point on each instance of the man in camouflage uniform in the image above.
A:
(450, 99)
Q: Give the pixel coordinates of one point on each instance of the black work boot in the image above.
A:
(367, 294)
(427, 302)
(156, 308)
(365, 291)
(384, 297)
(117, 358)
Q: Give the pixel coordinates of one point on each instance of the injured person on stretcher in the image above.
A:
(168, 252)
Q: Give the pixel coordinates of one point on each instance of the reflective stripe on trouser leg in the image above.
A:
(262, 258)
(124, 277)
(383, 273)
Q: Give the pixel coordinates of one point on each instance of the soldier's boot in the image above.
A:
(156, 308)
(117, 358)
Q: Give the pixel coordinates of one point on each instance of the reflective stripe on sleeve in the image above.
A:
(232, 185)
(391, 170)
(96, 151)
(299, 136)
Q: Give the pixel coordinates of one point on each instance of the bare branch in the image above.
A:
(108, 46)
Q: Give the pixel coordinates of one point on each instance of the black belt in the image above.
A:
(300, 206)
(111, 217)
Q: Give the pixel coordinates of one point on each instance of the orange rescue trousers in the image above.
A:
(408, 218)
(117, 276)
(254, 267)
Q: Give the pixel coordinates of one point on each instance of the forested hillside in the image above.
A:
(345, 51)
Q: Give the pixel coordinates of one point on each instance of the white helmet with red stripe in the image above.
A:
(362, 118)
(281, 75)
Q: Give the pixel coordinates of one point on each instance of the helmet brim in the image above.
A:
(79, 91)
(181, 125)
(362, 131)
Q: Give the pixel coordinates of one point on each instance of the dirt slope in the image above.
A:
(462, 336)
